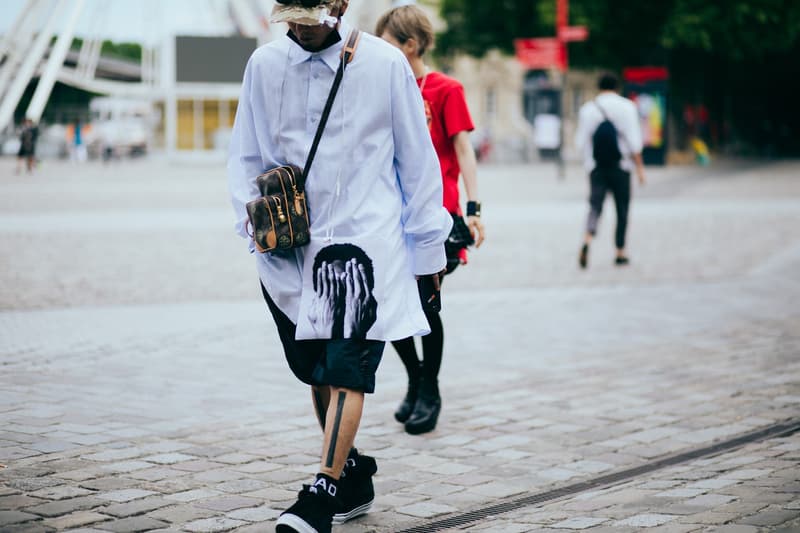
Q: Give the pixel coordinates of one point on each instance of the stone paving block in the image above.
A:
(497, 489)
(193, 495)
(710, 500)
(73, 520)
(109, 484)
(14, 453)
(114, 455)
(28, 527)
(748, 473)
(734, 528)
(136, 507)
(236, 458)
(14, 517)
(169, 458)
(711, 483)
(578, 522)
(126, 466)
(680, 493)
(18, 501)
(646, 520)
(241, 485)
(125, 495)
(62, 507)
(426, 509)
(213, 525)
(200, 465)
(256, 467)
(227, 503)
(60, 492)
(133, 524)
(217, 476)
(155, 474)
(770, 518)
(181, 514)
(255, 514)
(33, 484)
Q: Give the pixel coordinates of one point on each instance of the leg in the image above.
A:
(341, 424)
(321, 397)
(597, 195)
(432, 348)
(622, 197)
(429, 403)
(408, 355)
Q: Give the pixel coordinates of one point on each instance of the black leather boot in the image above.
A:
(426, 411)
(406, 407)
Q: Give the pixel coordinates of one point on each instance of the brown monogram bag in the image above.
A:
(280, 217)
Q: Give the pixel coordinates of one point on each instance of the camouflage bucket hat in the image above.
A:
(308, 12)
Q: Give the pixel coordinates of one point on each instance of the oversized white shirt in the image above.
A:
(375, 174)
(623, 114)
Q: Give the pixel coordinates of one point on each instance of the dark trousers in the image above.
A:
(618, 182)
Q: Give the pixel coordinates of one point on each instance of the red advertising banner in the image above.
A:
(573, 33)
(645, 74)
(541, 53)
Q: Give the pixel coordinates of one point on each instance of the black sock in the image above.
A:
(325, 483)
(432, 346)
(408, 355)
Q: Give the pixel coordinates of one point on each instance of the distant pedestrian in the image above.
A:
(78, 147)
(609, 136)
(376, 221)
(26, 156)
(408, 28)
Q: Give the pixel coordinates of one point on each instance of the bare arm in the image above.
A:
(637, 160)
(469, 173)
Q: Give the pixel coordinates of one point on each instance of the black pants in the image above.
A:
(618, 182)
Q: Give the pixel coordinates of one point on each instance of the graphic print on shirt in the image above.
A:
(340, 300)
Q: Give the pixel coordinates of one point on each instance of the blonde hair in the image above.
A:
(407, 22)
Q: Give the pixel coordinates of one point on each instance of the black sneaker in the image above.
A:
(356, 492)
(583, 258)
(311, 513)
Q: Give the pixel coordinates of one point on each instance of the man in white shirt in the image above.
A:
(374, 198)
(610, 138)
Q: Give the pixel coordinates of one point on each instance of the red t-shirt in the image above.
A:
(447, 114)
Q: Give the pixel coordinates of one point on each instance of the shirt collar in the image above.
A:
(329, 56)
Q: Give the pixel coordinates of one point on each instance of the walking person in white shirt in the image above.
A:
(376, 223)
(610, 138)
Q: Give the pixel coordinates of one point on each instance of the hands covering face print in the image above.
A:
(343, 305)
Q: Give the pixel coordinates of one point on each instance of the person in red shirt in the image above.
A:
(409, 29)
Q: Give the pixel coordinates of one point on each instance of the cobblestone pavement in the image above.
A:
(142, 386)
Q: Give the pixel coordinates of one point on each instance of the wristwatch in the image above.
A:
(473, 209)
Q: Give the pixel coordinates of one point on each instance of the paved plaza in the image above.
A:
(142, 386)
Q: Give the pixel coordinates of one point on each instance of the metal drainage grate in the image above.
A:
(775, 430)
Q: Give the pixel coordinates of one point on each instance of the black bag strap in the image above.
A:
(348, 51)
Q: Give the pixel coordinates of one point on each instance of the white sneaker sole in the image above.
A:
(341, 518)
(295, 523)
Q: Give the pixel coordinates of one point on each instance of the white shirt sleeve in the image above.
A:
(583, 133)
(244, 157)
(426, 222)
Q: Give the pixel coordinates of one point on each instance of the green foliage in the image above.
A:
(476, 26)
(625, 32)
(130, 51)
(737, 29)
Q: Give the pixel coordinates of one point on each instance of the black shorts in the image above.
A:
(346, 363)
